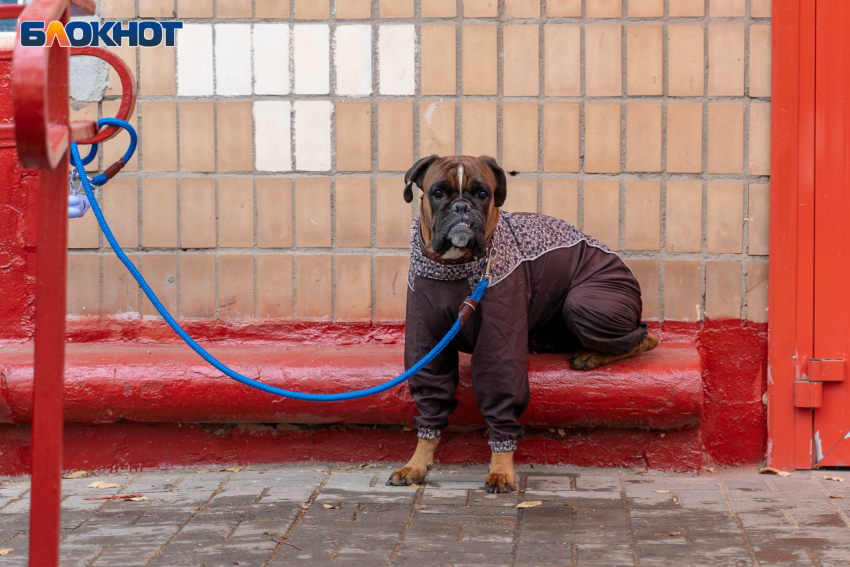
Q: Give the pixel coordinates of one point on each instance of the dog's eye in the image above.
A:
(482, 195)
(438, 194)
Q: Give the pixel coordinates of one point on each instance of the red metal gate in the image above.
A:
(809, 399)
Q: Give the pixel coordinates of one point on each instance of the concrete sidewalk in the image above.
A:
(345, 515)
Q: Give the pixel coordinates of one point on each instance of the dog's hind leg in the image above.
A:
(418, 466)
(589, 359)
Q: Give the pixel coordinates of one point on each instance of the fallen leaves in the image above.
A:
(676, 533)
(711, 469)
(332, 506)
(662, 491)
(835, 478)
(77, 474)
(102, 484)
(230, 469)
(125, 497)
(7, 551)
(771, 470)
(836, 496)
(530, 504)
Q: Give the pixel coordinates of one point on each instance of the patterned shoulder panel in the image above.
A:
(537, 234)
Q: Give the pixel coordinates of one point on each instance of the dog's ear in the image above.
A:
(416, 174)
(501, 191)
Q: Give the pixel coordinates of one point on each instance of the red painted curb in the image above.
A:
(110, 383)
(158, 446)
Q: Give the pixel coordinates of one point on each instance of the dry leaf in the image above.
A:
(662, 491)
(230, 469)
(420, 506)
(203, 471)
(835, 478)
(332, 507)
(318, 470)
(836, 496)
(452, 472)
(641, 471)
(530, 504)
(771, 470)
(78, 474)
(675, 533)
(406, 428)
(135, 499)
(561, 432)
(101, 484)
(711, 469)
(7, 551)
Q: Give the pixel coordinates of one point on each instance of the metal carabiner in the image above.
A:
(77, 204)
(491, 258)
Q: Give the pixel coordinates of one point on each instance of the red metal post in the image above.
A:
(40, 91)
(43, 134)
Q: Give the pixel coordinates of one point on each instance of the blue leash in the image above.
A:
(101, 179)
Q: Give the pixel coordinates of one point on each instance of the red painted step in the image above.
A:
(108, 383)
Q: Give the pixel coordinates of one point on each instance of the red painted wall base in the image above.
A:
(146, 447)
(732, 430)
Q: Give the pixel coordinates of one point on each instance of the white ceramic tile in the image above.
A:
(313, 135)
(233, 59)
(312, 59)
(271, 59)
(395, 60)
(195, 60)
(272, 135)
(353, 59)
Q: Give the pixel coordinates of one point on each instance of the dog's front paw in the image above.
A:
(587, 360)
(499, 483)
(407, 475)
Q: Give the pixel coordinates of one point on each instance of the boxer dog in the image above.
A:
(552, 288)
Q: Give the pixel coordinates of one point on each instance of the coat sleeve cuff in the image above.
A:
(502, 446)
(428, 433)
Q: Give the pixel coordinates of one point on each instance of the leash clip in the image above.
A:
(491, 258)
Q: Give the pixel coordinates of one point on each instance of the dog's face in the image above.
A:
(460, 201)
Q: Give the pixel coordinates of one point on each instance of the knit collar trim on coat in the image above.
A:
(518, 237)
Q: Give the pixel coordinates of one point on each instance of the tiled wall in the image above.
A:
(274, 139)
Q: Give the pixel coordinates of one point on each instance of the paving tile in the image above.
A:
(222, 519)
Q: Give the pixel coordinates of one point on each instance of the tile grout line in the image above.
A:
(740, 524)
(215, 493)
(628, 517)
(301, 513)
(419, 492)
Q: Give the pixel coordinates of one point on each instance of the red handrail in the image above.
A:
(43, 133)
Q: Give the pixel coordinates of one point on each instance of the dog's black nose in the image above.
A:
(460, 207)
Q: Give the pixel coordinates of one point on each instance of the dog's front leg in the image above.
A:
(501, 477)
(417, 467)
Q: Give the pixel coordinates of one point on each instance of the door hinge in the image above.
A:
(808, 394)
(826, 369)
